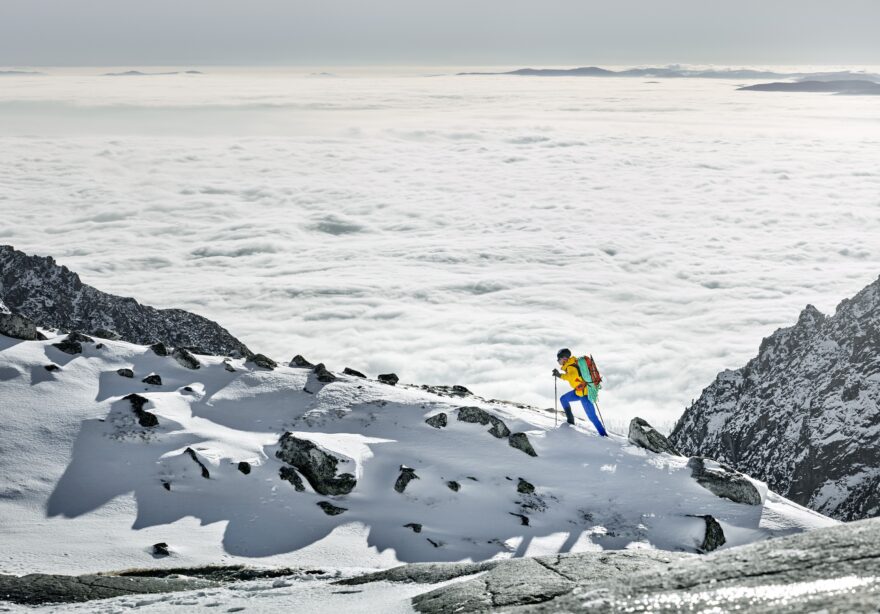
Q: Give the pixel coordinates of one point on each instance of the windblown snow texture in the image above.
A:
(804, 415)
(54, 297)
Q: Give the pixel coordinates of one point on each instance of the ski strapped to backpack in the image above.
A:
(589, 372)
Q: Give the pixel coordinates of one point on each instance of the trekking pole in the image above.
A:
(555, 410)
(601, 419)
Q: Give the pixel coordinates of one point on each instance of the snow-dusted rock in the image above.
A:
(407, 474)
(646, 436)
(714, 537)
(299, 361)
(352, 372)
(438, 421)
(804, 414)
(289, 474)
(154, 379)
(19, 327)
(125, 372)
(55, 297)
(263, 361)
(159, 349)
(145, 418)
(388, 378)
(521, 442)
(322, 374)
(316, 465)
(723, 481)
(186, 358)
(72, 344)
(475, 415)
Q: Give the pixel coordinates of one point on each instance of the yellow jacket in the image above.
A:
(571, 374)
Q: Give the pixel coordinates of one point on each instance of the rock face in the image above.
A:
(316, 465)
(19, 327)
(723, 481)
(804, 414)
(54, 297)
(475, 415)
(643, 435)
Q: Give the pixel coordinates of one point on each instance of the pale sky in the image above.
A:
(439, 32)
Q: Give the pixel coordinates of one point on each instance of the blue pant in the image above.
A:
(568, 397)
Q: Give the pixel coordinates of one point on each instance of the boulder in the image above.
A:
(415, 526)
(645, 436)
(323, 374)
(19, 327)
(159, 349)
(330, 509)
(125, 372)
(316, 465)
(244, 467)
(723, 481)
(145, 418)
(299, 361)
(352, 372)
(453, 485)
(106, 333)
(475, 415)
(714, 536)
(261, 360)
(407, 475)
(524, 487)
(521, 442)
(161, 549)
(438, 421)
(186, 358)
(51, 368)
(72, 344)
(388, 378)
(289, 474)
(154, 380)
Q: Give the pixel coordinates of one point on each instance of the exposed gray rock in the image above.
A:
(299, 361)
(263, 361)
(407, 475)
(185, 358)
(316, 465)
(521, 582)
(453, 485)
(521, 442)
(159, 349)
(330, 509)
(524, 487)
(803, 414)
(125, 372)
(106, 333)
(35, 589)
(289, 474)
(415, 526)
(145, 418)
(192, 454)
(70, 344)
(244, 467)
(388, 378)
(19, 327)
(475, 415)
(154, 380)
(51, 368)
(523, 519)
(723, 481)
(645, 436)
(54, 297)
(438, 421)
(448, 391)
(161, 549)
(352, 372)
(322, 374)
(421, 573)
(714, 537)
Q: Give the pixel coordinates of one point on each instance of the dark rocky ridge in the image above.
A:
(804, 414)
(55, 297)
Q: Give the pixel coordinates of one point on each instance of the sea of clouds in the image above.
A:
(455, 229)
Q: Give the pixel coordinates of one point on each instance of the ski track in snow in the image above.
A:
(455, 230)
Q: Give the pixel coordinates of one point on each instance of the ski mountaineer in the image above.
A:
(572, 375)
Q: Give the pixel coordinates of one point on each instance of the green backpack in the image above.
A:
(589, 372)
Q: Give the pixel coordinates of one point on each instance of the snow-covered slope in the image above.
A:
(804, 415)
(86, 487)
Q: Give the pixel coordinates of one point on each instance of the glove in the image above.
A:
(556, 373)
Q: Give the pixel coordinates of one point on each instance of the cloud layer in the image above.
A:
(455, 230)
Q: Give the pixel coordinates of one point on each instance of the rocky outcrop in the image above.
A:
(524, 487)
(192, 454)
(145, 418)
(316, 465)
(352, 372)
(52, 296)
(645, 436)
(72, 344)
(244, 467)
(804, 414)
(185, 358)
(125, 373)
(161, 549)
(388, 378)
(723, 481)
(19, 327)
(322, 374)
(438, 421)
(159, 349)
(36, 589)
(289, 474)
(407, 475)
(330, 509)
(154, 380)
(453, 485)
(714, 536)
(475, 415)
(415, 526)
(263, 361)
(299, 361)
(521, 442)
